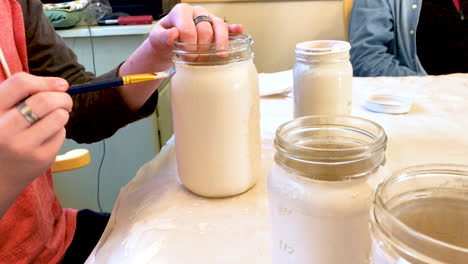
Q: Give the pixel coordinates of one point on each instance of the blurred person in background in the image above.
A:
(409, 37)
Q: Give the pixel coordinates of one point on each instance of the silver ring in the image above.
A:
(27, 113)
(199, 19)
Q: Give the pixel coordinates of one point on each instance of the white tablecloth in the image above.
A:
(156, 220)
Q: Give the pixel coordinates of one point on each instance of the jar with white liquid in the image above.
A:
(215, 105)
(320, 189)
(322, 78)
(420, 216)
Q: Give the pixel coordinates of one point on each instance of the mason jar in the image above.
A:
(215, 105)
(320, 188)
(420, 216)
(322, 78)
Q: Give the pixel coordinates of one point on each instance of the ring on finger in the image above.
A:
(27, 113)
(202, 18)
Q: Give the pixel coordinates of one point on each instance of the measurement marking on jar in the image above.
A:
(285, 211)
(286, 248)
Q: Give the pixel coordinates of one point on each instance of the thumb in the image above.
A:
(171, 35)
(163, 38)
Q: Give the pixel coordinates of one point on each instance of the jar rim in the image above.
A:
(364, 150)
(322, 47)
(432, 168)
(236, 42)
(330, 147)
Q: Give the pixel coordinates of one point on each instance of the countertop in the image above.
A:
(105, 31)
(156, 220)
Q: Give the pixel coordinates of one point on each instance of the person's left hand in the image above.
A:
(155, 54)
(179, 25)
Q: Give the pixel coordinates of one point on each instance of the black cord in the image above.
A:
(92, 48)
(98, 195)
(99, 175)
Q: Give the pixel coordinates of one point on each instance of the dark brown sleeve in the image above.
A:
(95, 115)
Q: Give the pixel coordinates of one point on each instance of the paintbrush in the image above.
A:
(5, 67)
(119, 81)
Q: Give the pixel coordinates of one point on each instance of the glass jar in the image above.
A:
(320, 189)
(322, 78)
(215, 104)
(420, 216)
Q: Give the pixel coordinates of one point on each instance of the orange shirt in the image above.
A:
(35, 229)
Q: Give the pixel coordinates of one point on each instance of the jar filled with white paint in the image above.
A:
(420, 216)
(215, 104)
(320, 189)
(322, 78)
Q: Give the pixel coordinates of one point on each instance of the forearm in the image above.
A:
(95, 115)
(100, 114)
(136, 95)
(372, 65)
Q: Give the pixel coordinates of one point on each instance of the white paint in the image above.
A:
(322, 78)
(318, 221)
(217, 127)
(72, 154)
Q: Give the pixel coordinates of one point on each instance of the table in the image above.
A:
(156, 220)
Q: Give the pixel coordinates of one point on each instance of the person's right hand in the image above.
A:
(27, 150)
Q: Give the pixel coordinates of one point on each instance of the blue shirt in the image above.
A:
(382, 34)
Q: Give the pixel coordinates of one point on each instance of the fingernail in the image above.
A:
(61, 83)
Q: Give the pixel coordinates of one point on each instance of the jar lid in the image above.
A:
(389, 104)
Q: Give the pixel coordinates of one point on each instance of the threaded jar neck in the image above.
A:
(238, 48)
(330, 148)
(326, 51)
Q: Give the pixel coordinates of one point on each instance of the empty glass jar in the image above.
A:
(420, 216)
(320, 189)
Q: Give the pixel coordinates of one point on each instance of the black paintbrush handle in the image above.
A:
(94, 86)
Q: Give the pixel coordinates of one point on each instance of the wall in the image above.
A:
(277, 26)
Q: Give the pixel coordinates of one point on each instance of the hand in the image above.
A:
(27, 150)
(155, 54)
(179, 25)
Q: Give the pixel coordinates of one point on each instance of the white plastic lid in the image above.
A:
(389, 104)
